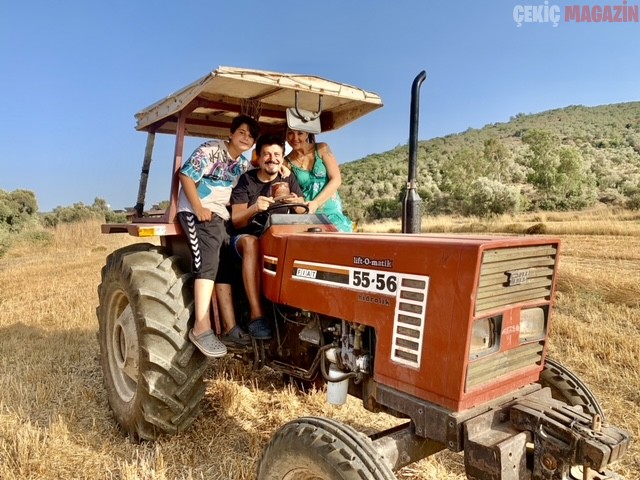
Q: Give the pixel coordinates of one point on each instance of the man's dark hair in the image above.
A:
(254, 127)
(269, 139)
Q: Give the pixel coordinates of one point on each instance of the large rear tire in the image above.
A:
(315, 448)
(567, 386)
(152, 372)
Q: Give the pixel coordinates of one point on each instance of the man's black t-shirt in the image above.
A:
(250, 187)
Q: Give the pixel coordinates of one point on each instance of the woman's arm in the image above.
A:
(333, 173)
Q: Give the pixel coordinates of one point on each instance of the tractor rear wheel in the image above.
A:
(315, 448)
(152, 372)
(567, 386)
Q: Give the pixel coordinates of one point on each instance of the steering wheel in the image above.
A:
(260, 219)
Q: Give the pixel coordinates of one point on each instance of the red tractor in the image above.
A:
(448, 332)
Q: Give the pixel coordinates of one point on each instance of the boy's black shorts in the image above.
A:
(209, 244)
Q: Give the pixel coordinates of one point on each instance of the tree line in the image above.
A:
(565, 159)
(19, 216)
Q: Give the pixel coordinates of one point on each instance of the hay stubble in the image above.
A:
(55, 421)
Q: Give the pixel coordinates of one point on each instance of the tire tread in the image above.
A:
(170, 386)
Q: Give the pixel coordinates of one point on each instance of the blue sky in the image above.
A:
(74, 72)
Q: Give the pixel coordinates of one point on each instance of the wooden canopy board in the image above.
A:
(215, 99)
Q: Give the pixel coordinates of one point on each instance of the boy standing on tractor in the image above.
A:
(207, 179)
(256, 191)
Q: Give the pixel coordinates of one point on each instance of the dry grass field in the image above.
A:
(55, 422)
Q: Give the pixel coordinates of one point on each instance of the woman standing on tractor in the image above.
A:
(318, 174)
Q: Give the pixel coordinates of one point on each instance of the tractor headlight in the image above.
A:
(533, 323)
(484, 336)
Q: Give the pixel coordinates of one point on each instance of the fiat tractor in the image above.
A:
(448, 333)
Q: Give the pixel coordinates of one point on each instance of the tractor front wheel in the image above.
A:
(567, 386)
(152, 372)
(315, 448)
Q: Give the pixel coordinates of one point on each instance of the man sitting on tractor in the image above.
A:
(258, 190)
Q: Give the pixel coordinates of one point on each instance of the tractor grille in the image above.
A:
(409, 320)
(494, 366)
(515, 275)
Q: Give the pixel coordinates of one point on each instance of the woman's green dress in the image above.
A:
(312, 182)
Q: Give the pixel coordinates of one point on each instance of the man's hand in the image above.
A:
(263, 203)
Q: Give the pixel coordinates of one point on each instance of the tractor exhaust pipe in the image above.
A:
(411, 214)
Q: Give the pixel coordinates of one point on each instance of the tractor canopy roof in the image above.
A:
(211, 103)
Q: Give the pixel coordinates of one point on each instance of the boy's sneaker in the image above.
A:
(209, 344)
(236, 337)
(259, 329)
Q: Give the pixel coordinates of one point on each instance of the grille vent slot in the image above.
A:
(495, 289)
(409, 320)
(492, 367)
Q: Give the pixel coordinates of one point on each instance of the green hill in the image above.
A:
(564, 159)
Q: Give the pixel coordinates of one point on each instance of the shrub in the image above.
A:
(39, 238)
(79, 212)
(490, 197)
(633, 203)
(113, 217)
(5, 241)
(18, 209)
(383, 208)
(537, 229)
(611, 196)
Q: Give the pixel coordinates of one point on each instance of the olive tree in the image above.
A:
(559, 173)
